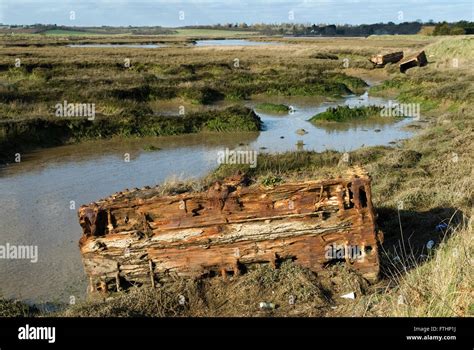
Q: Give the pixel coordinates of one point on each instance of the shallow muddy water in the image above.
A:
(39, 197)
(233, 42)
(129, 46)
(206, 42)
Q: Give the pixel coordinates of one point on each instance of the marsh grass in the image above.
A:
(128, 100)
(272, 108)
(42, 132)
(16, 308)
(50, 74)
(341, 114)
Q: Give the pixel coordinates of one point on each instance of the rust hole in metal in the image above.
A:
(362, 197)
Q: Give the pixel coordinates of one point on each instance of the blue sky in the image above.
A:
(167, 12)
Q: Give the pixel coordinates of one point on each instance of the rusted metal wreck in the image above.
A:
(418, 60)
(142, 237)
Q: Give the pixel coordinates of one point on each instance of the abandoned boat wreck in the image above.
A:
(418, 60)
(142, 237)
(381, 60)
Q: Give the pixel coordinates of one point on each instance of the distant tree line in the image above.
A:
(290, 29)
(323, 29)
(390, 28)
(458, 28)
(363, 29)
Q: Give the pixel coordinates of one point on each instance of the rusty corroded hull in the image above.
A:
(143, 237)
(418, 60)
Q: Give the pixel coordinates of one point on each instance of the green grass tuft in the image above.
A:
(272, 108)
(342, 114)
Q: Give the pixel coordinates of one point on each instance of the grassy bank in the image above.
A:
(272, 108)
(343, 114)
(20, 135)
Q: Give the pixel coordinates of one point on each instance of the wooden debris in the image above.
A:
(381, 60)
(419, 60)
(139, 237)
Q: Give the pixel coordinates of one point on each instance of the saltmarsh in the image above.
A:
(425, 181)
(127, 86)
